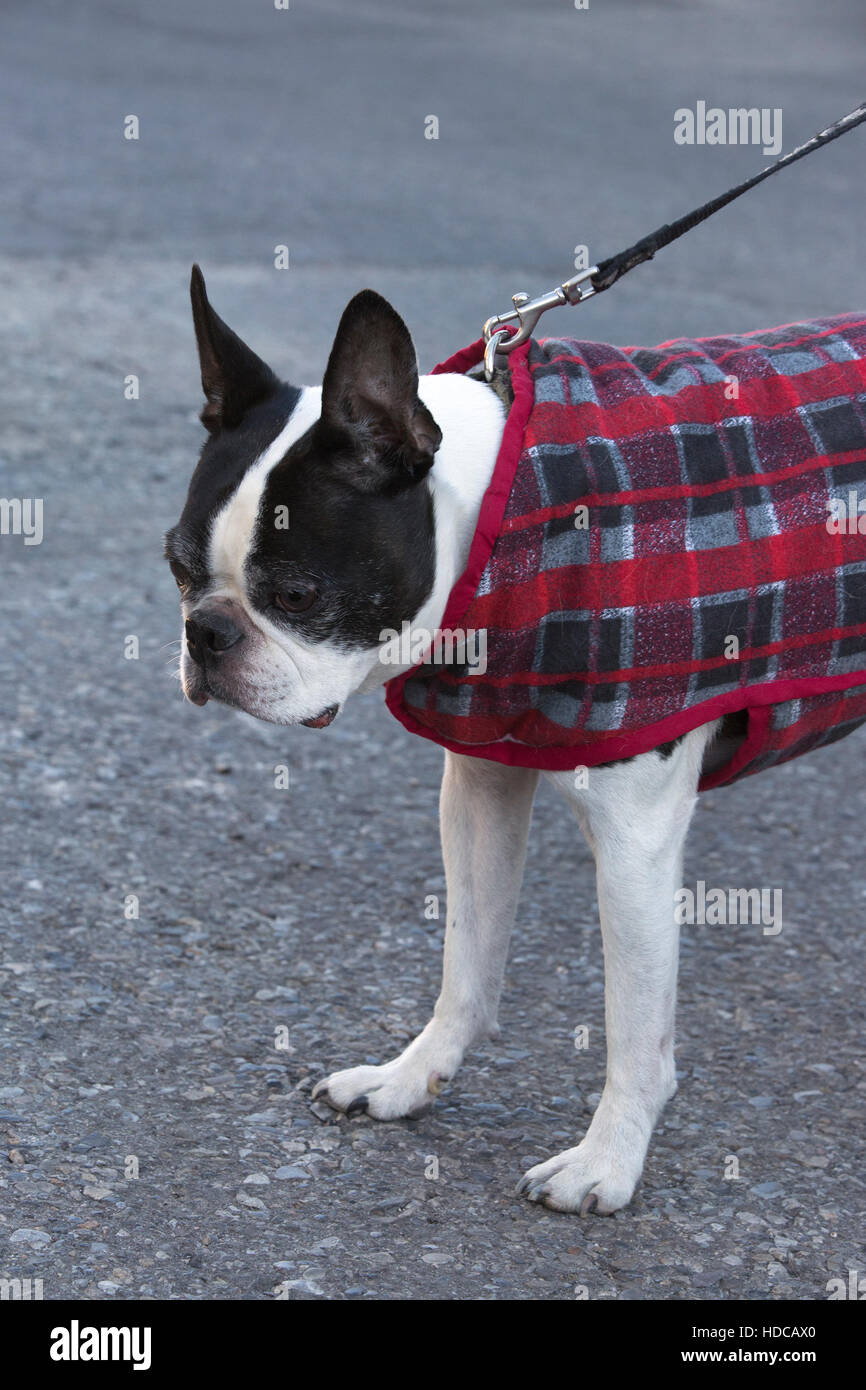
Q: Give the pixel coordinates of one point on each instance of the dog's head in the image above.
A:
(308, 527)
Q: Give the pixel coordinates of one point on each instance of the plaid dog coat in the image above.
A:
(670, 534)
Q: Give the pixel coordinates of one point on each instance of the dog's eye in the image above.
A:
(296, 600)
(181, 576)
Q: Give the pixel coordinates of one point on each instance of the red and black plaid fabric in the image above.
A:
(670, 534)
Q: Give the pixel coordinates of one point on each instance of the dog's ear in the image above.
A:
(370, 401)
(232, 377)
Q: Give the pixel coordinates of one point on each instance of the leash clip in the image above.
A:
(501, 336)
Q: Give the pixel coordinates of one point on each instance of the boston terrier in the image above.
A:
(321, 518)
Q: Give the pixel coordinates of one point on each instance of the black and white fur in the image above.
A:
(383, 477)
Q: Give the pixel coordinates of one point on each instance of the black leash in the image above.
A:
(499, 331)
(615, 267)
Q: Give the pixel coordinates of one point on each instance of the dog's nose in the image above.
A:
(209, 634)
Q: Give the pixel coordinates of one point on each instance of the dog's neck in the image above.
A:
(471, 417)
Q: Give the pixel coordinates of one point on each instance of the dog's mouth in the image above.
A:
(200, 693)
(322, 720)
(195, 687)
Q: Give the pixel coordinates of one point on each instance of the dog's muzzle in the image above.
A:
(209, 634)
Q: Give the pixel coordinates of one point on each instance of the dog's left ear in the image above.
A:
(370, 400)
(233, 378)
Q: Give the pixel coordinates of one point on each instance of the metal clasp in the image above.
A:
(498, 336)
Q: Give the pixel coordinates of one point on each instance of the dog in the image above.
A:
(322, 520)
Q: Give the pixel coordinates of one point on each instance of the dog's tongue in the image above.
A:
(322, 720)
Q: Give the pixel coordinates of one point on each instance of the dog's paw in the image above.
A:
(584, 1179)
(398, 1089)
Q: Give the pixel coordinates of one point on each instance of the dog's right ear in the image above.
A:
(233, 378)
(370, 400)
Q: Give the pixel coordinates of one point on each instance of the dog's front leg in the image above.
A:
(635, 817)
(484, 812)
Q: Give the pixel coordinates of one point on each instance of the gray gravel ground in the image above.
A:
(155, 1141)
